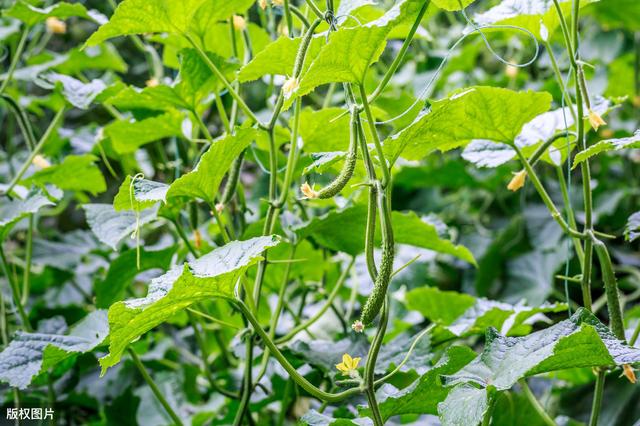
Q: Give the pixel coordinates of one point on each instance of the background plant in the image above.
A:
(325, 212)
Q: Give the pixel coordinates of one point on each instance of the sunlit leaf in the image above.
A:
(212, 275)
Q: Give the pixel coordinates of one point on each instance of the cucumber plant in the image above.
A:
(320, 212)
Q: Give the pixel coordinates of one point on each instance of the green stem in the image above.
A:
(315, 9)
(616, 321)
(205, 358)
(154, 388)
(35, 151)
(536, 404)
(597, 398)
(26, 278)
(15, 59)
(570, 215)
(15, 293)
(386, 175)
(306, 324)
(370, 367)
(297, 377)
(545, 196)
(224, 81)
(400, 55)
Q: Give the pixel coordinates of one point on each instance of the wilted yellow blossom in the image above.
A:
(239, 23)
(518, 181)
(628, 372)
(349, 365)
(308, 191)
(197, 239)
(56, 26)
(595, 120)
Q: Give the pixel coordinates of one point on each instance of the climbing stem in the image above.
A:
(306, 324)
(370, 367)
(15, 292)
(16, 57)
(154, 387)
(611, 288)
(35, 151)
(216, 71)
(536, 404)
(293, 373)
(386, 176)
(597, 398)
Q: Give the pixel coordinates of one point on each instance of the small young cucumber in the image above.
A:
(376, 298)
(348, 167)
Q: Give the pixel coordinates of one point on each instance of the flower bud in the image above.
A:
(56, 26)
(239, 23)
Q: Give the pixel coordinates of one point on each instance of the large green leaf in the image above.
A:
(203, 182)
(344, 230)
(75, 173)
(112, 226)
(16, 209)
(580, 341)
(127, 136)
(323, 131)
(489, 113)
(141, 16)
(30, 354)
(424, 394)
(608, 145)
(31, 15)
(212, 275)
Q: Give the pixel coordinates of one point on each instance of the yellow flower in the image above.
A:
(239, 23)
(56, 26)
(308, 191)
(41, 162)
(628, 372)
(518, 181)
(262, 4)
(349, 365)
(595, 120)
(152, 82)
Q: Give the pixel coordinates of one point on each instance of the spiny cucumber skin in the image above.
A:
(348, 168)
(343, 178)
(376, 298)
